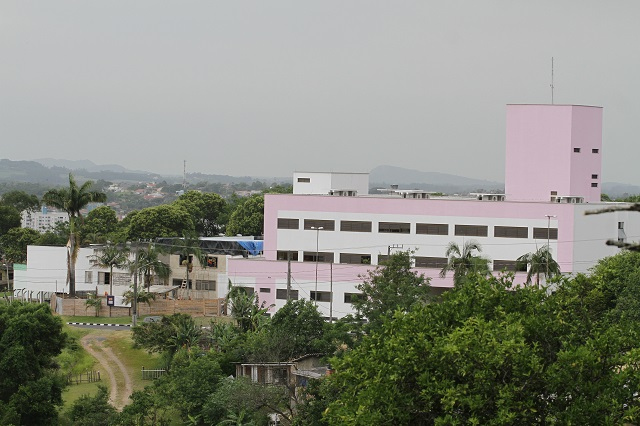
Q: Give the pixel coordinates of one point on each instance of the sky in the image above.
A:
(265, 88)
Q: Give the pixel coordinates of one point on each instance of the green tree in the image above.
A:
(94, 301)
(391, 286)
(14, 243)
(160, 221)
(148, 262)
(188, 248)
(72, 200)
(100, 223)
(464, 261)
(111, 256)
(539, 263)
(246, 308)
(248, 217)
(207, 211)
(30, 339)
(93, 410)
(21, 201)
(9, 218)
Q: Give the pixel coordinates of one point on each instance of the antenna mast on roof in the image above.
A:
(184, 176)
(551, 80)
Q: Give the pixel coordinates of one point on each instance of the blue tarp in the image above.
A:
(254, 247)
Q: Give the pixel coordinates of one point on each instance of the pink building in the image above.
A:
(552, 179)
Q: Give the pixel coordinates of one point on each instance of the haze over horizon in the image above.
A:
(263, 89)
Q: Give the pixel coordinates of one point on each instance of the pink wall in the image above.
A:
(539, 151)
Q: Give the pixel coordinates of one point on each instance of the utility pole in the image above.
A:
(331, 295)
(135, 289)
(318, 229)
(288, 276)
(549, 216)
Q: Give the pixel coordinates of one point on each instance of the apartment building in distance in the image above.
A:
(334, 232)
(44, 220)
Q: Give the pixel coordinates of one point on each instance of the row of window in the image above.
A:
(319, 296)
(365, 259)
(593, 150)
(421, 228)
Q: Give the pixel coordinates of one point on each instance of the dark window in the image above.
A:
(322, 296)
(509, 265)
(284, 223)
(355, 258)
(594, 176)
(282, 255)
(554, 192)
(620, 225)
(430, 262)
(265, 290)
(326, 225)
(595, 150)
(281, 293)
(355, 226)
(351, 297)
(594, 184)
(432, 228)
(511, 232)
(323, 257)
(304, 180)
(541, 233)
(212, 261)
(394, 227)
(205, 285)
(472, 230)
(184, 261)
(576, 149)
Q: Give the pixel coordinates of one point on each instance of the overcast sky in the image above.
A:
(264, 88)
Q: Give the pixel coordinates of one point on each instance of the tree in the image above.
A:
(14, 243)
(148, 262)
(111, 256)
(246, 308)
(30, 339)
(188, 248)
(539, 263)
(72, 200)
(248, 217)
(100, 223)
(21, 201)
(94, 301)
(464, 262)
(207, 211)
(9, 218)
(93, 410)
(161, 221)
(391, 286)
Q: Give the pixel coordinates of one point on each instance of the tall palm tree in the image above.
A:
(71, 200)
(464, 261)
(149, 263)
(111, 256)
(540, 262)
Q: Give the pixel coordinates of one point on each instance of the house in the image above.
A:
(334, 238)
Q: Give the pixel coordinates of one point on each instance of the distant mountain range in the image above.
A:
(48, 171)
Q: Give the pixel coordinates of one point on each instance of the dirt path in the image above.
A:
(109, 362)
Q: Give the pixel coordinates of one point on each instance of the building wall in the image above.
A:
(540, 155)
(44, 220)
(323, 182)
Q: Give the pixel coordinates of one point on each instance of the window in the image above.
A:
(576, 149)
(265, 290)
(508, 265)
(281, 293)
(282, 255)
(620, 225)
(594, 176)
(594, 184)
(88, 276)
(205, 285)
(212, 261)
(284, 223)
(304, 180)
(355, 226)
(541, 233)
(394, 227)
(323, 257)
(184, 261)
(322, 296)
(595, 150)
(355, 258)
(430, 262)
(351, 297)
(326, 225)
(103, 278)
(432, 228)
(472, 230)
(511, 232)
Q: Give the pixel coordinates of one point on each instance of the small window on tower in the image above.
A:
(576, 149)
(594, 185)
(594, 176)
(595, 150)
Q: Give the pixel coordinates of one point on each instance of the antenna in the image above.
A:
(184, 176)
(551, 85)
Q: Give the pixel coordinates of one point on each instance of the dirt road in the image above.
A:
(120, 384)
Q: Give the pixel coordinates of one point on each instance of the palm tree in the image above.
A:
(111, 256)
(148, 263)
(540, 262)
(465, 261)
(72, 200)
